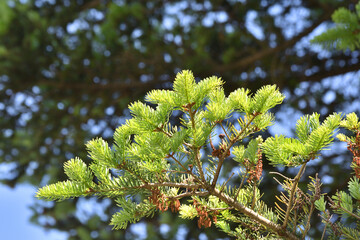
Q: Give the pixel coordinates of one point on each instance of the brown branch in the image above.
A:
(253, 215)
(316, 77)
(189, 194)
(220, 209)
(91, 4)
(120, 86)
(269, 51)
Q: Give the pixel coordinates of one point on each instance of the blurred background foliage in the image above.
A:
(68, 70)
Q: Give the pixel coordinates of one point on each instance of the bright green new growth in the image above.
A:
(153, 164)
(311, 138)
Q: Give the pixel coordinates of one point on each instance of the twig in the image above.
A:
(171, 184)
(295, 221)
(177, 161)
(324, 231)
(158, 129)
(170, 135)
(254, 198)
(308, 220)
(224, 131)
(220, 209)
(292, 193)
(252, 214)
(227, 149)
(196, 149)
(199, 165)
(241, 184)
(224, 184)
(211, 143)
(131, 172)
(188, 194)
(348, 212)
(287, 178)
(186, 170)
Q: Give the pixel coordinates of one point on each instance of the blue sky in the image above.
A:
(15, 215)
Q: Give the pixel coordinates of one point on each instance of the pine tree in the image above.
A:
(153, 164)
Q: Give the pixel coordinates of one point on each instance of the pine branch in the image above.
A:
(148, 157)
